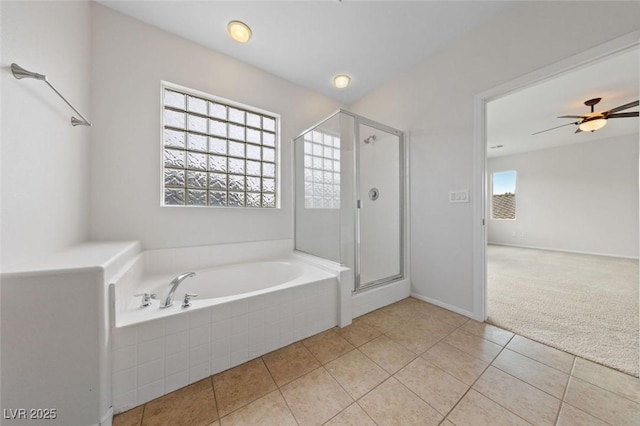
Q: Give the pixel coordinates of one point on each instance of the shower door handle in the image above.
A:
(358, 204)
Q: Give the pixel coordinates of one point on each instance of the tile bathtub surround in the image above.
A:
(365, 377)
(157, 357)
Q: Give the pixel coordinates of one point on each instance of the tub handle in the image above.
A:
(187, 299)
(146, 299)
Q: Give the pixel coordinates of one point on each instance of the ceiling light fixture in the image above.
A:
(592, 125)
(239, 31)
(341, 81)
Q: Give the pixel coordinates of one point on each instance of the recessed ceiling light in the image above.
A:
(239, 31)
(341, 81)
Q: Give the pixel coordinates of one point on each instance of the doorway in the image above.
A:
(513, 233)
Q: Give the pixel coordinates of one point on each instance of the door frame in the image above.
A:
(358, 121)
(479, 191)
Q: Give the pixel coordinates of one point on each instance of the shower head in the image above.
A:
(19, 73)
(370, 139)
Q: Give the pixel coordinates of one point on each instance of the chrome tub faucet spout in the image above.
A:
(173, 285)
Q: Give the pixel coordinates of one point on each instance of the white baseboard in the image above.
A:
(445, 306)
(565, 251)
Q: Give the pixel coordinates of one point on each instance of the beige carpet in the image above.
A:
(583, 304)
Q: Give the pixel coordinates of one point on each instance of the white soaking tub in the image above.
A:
(243, 310)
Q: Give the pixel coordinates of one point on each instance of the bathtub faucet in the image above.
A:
(173, 285)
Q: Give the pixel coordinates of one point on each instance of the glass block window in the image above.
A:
(321, 170)
(217, 153)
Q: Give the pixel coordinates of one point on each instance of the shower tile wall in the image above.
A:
(157, 357)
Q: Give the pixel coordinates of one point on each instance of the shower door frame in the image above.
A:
(403, 196)
(358, 120)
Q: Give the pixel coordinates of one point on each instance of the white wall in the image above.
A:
(433, 101)
(581, 197)
(45, 159)
(129, 60)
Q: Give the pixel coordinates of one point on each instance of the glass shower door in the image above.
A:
(379, 187)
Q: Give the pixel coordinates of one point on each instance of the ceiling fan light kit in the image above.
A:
(596, 120)
(592, 125)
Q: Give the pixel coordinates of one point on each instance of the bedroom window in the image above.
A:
(216, 152)
(503, 199)
(321, 170)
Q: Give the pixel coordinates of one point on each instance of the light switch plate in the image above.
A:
(459, 196)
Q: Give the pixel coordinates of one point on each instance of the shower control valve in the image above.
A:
(187, 299)
(146, 299)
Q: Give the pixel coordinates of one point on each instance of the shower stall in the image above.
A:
(350, 197)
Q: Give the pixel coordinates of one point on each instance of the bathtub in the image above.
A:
(218, 285)
(243, 310)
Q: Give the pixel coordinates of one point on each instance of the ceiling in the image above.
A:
(309, 42)
(511, 120)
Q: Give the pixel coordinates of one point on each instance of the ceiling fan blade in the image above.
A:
(557, 127)
(625, 106)
(572, 116)
(623, 114)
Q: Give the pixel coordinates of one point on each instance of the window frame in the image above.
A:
(229, 103)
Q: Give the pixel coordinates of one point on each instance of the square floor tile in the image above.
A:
(608, 378)
(478, 410)
(602, 404)
(356, 373)
(473, 345)
(533, 405)
(359, 333)
(445, 315)
(459, 364)
(190, 406)
(387, 354)
(270, 410)
(290, 363)
(439, 389)
(328, 345)
(571, 416)
(415, 338)
(315, 397)
(405, 308)
(428, 322)
(542, 376)
(382, 320)
(350, 416)
(241, 385)
(393, 403)
(132, 417)
(542, 353)
(488, 332)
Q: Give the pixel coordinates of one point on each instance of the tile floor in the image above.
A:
(410, 363)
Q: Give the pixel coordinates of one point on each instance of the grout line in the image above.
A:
(546, 346)
(215, 398)
(566, 389)
(338, 381)
(475, 390)
(288, 406)
(473, 384)
(144, 408)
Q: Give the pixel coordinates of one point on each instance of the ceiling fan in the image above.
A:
(596, 119)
